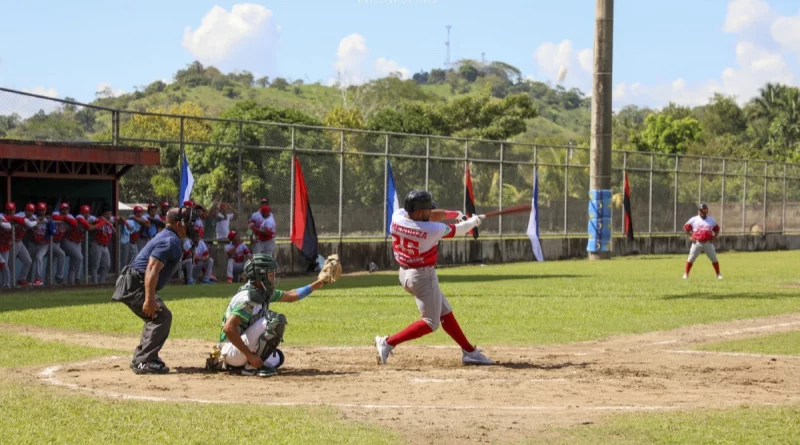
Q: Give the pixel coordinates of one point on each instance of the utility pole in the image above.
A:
(483, 58)
(447, 44)
(600, 157)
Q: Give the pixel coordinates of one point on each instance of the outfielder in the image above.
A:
(416, 232)
(702, 230)
(251, 332)
(264, 232)
(237, 253)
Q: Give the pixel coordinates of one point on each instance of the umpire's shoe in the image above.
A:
(153, 367)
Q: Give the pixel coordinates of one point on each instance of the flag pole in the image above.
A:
(181, 162)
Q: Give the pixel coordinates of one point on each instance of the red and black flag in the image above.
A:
(469, 204)
(626, 204)
(304, 232)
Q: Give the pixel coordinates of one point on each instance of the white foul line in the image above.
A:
(735, 354)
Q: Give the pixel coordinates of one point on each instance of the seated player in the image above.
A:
(251, 332)
(237, 253)
(197, 260)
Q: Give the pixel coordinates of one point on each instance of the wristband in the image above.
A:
(303, 292)
(451, 214)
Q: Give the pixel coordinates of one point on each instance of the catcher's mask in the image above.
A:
(187, 216)
(264, 269)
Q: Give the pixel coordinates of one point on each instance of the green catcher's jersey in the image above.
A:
(247, 311)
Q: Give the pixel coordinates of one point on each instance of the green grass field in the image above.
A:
(514, 304)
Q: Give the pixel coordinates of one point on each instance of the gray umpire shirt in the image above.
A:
(166, 248)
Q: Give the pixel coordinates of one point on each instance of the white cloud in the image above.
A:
(42, 91)
(743, 14)
(242, 38)
(558, 61)
(385, 67)
(104, 89)
(350, 58)
(586, 60)
(786, 31)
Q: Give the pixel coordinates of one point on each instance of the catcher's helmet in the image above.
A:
(702, 206)
(263, 268)
(418, 200)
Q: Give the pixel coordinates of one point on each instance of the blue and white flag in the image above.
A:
(392, 203)
(187, 181)
(533, 222)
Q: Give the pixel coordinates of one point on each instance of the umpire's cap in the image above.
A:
(418, 200)
(702, 206)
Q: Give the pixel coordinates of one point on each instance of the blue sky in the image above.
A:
(682, 50)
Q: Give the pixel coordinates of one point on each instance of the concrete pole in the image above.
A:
(600, 157)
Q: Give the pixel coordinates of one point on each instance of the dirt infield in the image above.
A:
(429, 397)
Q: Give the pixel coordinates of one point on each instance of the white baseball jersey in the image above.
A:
(223, 225)
(416, 243)
(267, 225)
(703, 230)
(238, 252)
(256, 218)
(201, 249)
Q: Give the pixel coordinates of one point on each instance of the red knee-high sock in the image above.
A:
(415, 330)
(450, 325)
(688, 267)
(716, 267)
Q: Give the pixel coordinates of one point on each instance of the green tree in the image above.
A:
(722, 116)
(665, 134)
(279, 83)
(263, 82)
(437, 76)
(468, 72)
(164, 187)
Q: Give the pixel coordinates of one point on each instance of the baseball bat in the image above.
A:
(510, 210)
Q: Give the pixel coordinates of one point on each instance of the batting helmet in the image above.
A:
(10, 206)
(41, 206)
(263, 268)
(29, 207)
(702, 206)
(418, 200)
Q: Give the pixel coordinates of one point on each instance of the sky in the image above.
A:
(682, 50)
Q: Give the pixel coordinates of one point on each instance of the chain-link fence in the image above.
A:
(236, 164)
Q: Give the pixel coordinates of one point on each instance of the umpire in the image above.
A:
(136, 287)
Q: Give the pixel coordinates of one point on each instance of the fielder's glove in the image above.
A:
(331, 270)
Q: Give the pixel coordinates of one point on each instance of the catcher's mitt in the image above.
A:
(331, 270)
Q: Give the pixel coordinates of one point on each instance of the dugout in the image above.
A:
(78, 173)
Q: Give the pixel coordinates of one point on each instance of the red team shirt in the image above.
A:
(102, 236)
(703, 230)
(416, 243)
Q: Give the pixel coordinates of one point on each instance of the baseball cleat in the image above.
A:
(384, 349)
(475, 357)
(719, 277)
(263, 372)
(685, 276)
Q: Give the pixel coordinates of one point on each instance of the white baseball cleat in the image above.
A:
(384, 349)
(719, 277)
(685, 276)
(475, 357)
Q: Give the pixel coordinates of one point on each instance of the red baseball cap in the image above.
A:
(11, 206)
(265, 209)
(231, 235)
(64, 205)
(137, 209)
(86, 209)
(165, 204)
(188, 203)
(29, 207)
(41, 206)
(151, 206)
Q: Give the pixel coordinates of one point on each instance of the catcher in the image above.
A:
(251, 333)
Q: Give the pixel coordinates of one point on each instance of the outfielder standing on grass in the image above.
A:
(702, 230)
(251, 332)
(416, 232)
(136, 287)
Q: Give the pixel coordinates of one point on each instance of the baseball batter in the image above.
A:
(251, 333)
(416, 232)
(702, 230)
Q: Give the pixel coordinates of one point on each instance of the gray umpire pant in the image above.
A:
(5, 274)
(127, 252)
(73, 250)
(24, 266)
(99, 262)
(130, 291)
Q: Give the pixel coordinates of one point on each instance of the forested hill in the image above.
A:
(485, 100)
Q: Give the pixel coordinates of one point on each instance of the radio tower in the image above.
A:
(447, 44)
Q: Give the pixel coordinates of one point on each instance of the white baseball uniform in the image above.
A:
(703, 231)
(238, 255)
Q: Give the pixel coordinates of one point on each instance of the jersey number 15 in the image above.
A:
(409, 246)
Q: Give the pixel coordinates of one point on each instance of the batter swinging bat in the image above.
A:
(510, 210)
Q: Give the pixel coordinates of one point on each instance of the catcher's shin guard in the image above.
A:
(273, 336)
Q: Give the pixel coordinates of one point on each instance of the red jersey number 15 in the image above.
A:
(409, 246)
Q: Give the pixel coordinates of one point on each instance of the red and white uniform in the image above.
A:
(61, 226)
(78, 227)
(237, 255)
(102, 235)
(416, 243)
(24, 223)
(703, 230)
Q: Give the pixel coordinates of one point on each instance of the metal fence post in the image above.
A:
(13, 256)
(650, 205)
(180, 161)
(566, 188)
(766, 183)
(51, 269)
(291, 200)
(700, 183)
(783, 204)
(675, 200)
(341, 184)
(239, 216)
(500, 200)
(118, 247)
(86, 258)
(744, 199)
(464, 173)
(722, 200)
(427, 160)
(624, 172)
